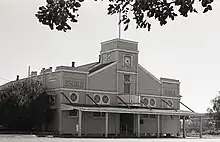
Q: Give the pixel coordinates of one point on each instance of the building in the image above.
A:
(114, 96)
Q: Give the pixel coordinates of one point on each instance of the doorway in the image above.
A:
(127, 125)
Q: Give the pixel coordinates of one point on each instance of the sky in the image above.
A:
(186, 48)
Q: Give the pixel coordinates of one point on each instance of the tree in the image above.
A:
(23, 105)
(214, 111)
(57, 13)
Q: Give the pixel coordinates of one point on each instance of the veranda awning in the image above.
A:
(130, 110)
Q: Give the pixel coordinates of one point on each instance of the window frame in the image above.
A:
(101, 114)
(127, 82)
(69, 112)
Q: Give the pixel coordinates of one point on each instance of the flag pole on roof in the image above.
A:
(29, 71)
(119, 25)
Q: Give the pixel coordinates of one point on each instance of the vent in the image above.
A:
(145, 101)
(170, 102)
(97, 99)
(152, 102)
(105, 99)
(74, 97)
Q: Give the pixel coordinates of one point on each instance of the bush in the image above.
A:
(23, 105)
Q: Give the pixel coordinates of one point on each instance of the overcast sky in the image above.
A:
(187, 49)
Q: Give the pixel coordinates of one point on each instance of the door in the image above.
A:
(126, 124)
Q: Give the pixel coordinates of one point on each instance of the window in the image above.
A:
(152, 116)
(141, 121)
(127, 83)
(145, 115)
(127, 78)
(103, 114)
(98, 114)
(171, 116)
(73, 113)
(127, 88)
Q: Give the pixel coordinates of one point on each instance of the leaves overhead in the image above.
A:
(58, 12)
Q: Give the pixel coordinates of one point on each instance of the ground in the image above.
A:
(33, 138)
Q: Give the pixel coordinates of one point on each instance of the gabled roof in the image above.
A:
(99, 67)
(87, 66)
(151, 75)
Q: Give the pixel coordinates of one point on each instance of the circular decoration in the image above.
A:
(145, 101)
(97, 98)
(170, 103)
(105, 99)
(73, 97)
(127, 61)
(152, 102)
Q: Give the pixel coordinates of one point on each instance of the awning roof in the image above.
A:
(130, 110)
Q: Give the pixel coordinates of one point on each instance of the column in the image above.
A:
(60, 121)
(59, 114)
(106, 124)
(200, 132)
(80, 123)
(158, 125)
(184, 129)
(138, 126)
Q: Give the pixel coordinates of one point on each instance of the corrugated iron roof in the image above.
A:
(99, 67)
(130, 110)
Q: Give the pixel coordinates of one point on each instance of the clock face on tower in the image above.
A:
(128, 61)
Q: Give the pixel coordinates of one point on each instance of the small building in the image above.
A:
(114, 96)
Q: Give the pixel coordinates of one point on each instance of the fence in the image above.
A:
(209, 127)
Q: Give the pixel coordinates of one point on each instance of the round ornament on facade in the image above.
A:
(170, 103)
(152, 102)
(73, 97)
(97, 98)
(145, 101)
(105, 99)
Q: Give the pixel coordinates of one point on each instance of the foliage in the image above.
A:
(58, 12)
(214, 111)
(215, 107)
(23, 105)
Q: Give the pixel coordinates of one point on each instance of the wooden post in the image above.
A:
(138, 126)
(200, 132)
(106, 124)
(158, 125)
(184, 129)
(59, 115)
(80, 123)
(60, 121)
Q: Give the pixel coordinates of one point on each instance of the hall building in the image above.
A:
(114, 96)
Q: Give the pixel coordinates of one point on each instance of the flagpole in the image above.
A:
(119, 26)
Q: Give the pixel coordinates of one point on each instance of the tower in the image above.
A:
(125, 54)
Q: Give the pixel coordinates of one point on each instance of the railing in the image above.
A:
(131, 99)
